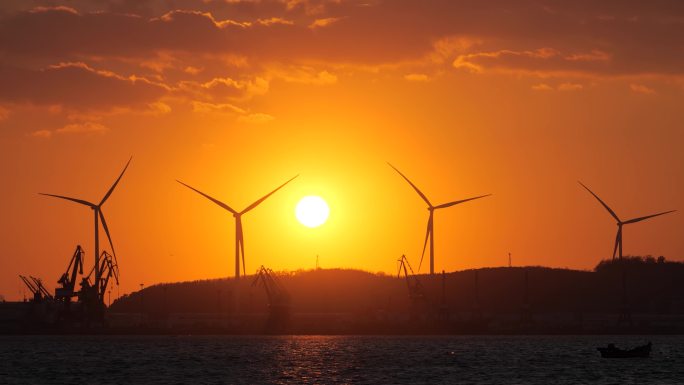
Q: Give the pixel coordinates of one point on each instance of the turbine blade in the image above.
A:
(106, 229)
(427, 235)
(602, 202)
(111, 189)
(81, 201)
(255, 204)
(218, 202)
(444, 205)
(412, 185)
(648, 216)
(617, 241)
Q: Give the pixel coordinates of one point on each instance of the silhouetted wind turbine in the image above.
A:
(430, 233)
(97, 210)
(239, 240)
(620, 223)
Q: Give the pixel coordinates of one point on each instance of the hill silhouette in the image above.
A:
(653, 286)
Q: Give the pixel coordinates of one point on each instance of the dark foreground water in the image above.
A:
(334, 360)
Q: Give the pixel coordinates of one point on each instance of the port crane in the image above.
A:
(108, 269)
(420, 307)
(278, 298)
(415, 288)
(35, 285)
(89, 305)
(68, 280)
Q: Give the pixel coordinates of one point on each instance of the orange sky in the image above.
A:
(519, 99)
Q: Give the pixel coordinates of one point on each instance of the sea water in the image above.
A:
(335, 360)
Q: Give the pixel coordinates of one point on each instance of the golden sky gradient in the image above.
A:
(518, 99)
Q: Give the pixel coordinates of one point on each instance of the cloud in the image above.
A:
(416, 77)
(570, 87)
(227, 88)
(59, 8)
(305, 75)
(542, 87)
(83, 128)
(256, 118)
(477, 62)
(128, 55)
(544, 61)
(642, 89)
(203, 107)
(221, 89)
(41, 134)
(76, 85)
(231, 109)
(446, 48)
(594, 55)
(596, 37)
(320, 23)
(274, 20)
(200, 19)
(158, 108)
(4, 113)
(192, 70)
(561, 87)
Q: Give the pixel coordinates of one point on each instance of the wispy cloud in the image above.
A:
(83, 128)
(642, 89)
(305, 75)
(320, 23)
(4, 113)
(41, 134)
(218, 56)
(417, 77)
(542, 87)
(204, 108)
(570, 87)
(256, 118)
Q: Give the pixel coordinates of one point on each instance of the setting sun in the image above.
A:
(312, 211)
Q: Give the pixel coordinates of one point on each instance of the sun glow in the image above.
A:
(312, 211)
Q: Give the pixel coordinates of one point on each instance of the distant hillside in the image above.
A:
(653, 286)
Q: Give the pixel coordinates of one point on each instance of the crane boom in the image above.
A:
(68, 279)
(108, 269)
(41, 287)
(275, 291)
(415, 288)
(30, 285)
(278, 299)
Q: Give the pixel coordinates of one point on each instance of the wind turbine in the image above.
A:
(239, 240)
(430, 233)
(620, 223)
(99, 216)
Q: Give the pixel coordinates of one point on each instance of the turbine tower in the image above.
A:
(430, 233)
(239, 240)
(99, 216)
(620, 223)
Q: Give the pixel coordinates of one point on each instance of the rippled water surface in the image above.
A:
(334, 360)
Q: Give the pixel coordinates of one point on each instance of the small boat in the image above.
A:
(613, 352)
